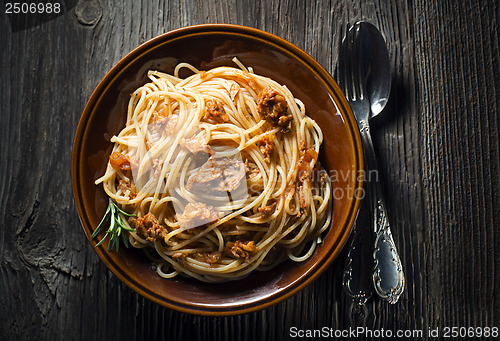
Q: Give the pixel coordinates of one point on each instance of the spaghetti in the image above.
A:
(221, 171)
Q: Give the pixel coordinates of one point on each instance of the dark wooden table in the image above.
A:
(438, 145)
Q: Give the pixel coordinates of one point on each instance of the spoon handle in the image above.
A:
(388, 277)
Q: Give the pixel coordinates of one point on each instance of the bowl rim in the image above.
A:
(253, 33)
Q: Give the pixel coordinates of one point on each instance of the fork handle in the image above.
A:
(357, 279)
(388, 276)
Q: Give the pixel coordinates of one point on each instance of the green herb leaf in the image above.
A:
(116, 226)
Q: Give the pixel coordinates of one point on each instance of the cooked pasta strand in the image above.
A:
(218, 168)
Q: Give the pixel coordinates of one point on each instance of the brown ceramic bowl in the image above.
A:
(205, 47)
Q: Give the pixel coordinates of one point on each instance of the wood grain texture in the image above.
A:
(438, 144)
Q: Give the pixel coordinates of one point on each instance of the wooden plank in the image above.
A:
(459, 122)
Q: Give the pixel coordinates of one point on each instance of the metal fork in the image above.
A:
(388, 278)
(357, 280)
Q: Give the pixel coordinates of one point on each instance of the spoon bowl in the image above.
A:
(375, 65)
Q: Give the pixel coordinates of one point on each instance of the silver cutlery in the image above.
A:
(364, 76)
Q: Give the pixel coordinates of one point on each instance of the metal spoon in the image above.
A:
(365, 76)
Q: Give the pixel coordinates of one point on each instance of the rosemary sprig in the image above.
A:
(116, 226)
